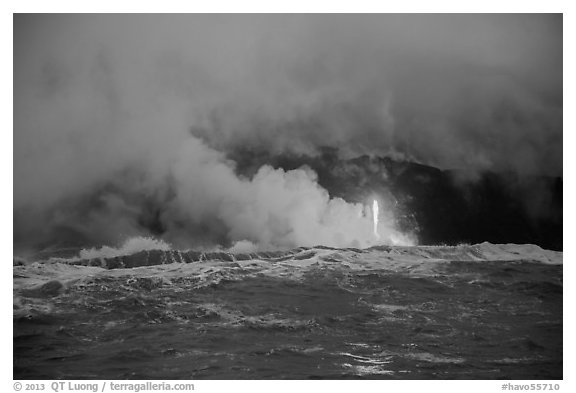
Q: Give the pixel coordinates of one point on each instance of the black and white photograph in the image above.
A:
(277, 196)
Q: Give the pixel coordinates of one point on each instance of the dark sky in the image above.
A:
(142, 106)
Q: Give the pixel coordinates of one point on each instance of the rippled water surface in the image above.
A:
(315, 313)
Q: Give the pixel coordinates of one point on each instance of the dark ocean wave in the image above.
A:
(482, 311)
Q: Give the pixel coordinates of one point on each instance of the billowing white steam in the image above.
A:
(97, 97)
(274, 209)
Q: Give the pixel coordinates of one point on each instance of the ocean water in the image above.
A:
(469, 312)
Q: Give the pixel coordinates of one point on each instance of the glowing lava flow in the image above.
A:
(375, 218)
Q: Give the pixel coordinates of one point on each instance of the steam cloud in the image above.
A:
(122, 123)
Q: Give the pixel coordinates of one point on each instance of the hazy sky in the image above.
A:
(149, 105)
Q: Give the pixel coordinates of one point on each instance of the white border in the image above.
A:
(230, 6)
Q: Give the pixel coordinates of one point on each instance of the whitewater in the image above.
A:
(485, 311)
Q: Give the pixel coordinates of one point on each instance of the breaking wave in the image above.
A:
(130, 246)
(146, 251)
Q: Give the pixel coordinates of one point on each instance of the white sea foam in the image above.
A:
(130, 246)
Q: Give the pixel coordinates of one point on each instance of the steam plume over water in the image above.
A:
(125, 125)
